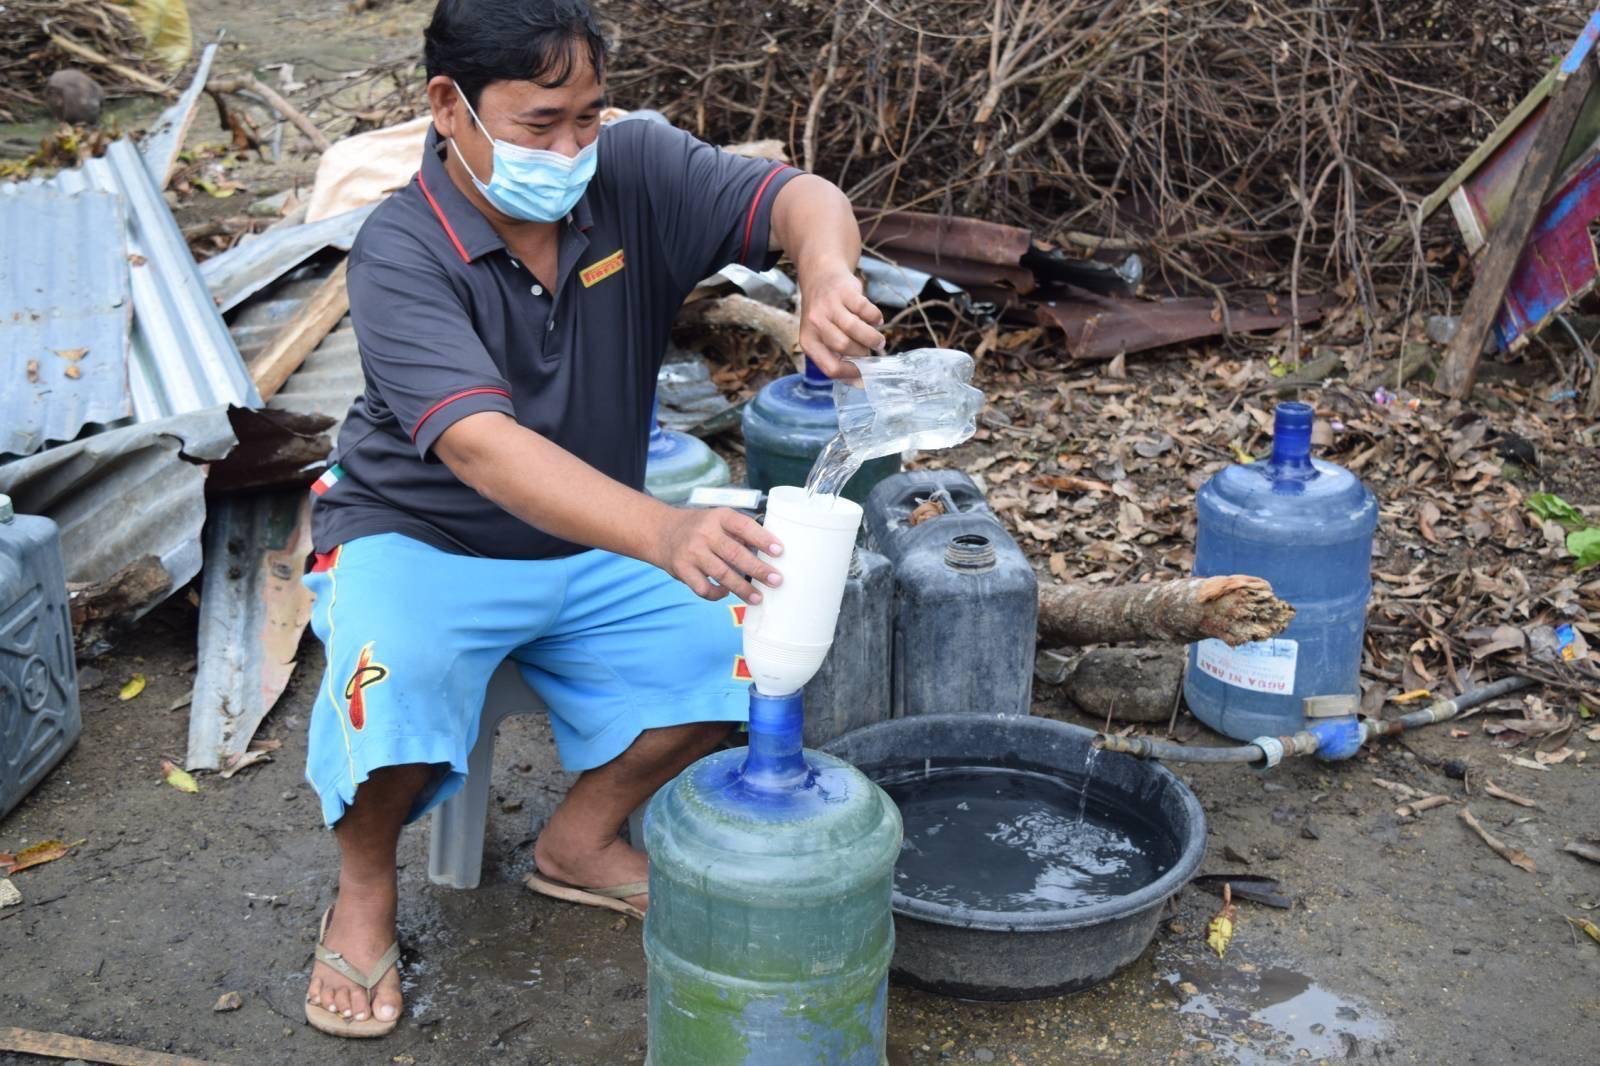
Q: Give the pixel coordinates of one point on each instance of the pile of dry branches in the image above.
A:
(1262, 142)
(39, 37)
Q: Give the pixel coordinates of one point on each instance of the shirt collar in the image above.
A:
(465, 226)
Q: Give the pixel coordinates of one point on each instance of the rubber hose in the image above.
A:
(1466, 701)
(1149, 748)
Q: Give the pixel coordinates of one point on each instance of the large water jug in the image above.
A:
(787, 425)
(39, 717)
(678, 463)
(966, 598)
(769, 932)
(1305, 526)
(852, 689)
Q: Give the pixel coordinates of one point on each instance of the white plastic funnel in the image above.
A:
(787, 634)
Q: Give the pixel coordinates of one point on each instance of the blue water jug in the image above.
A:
(786, 427)
(1306, 527)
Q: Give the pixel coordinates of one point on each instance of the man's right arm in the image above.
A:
(548, 487)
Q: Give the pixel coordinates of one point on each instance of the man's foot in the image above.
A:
(614, 863)
(361, 930)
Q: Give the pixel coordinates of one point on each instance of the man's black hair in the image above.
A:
(481, 41)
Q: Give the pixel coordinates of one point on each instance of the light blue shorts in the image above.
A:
(612, 645)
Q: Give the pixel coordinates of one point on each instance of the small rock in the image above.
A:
(1189, 988)
(511, 806)
(1127, 684)
(1271, 854)
(1441, 328)
(1461, 951)
(1176, 927)
(1456, 769)
(1309, 831)
(1233, 855)
(619, 925)
(1273, 786)
(72, 96)
(288, 795)
(229, 1001)
(983, 1054)
(90, 679)
(9, 895)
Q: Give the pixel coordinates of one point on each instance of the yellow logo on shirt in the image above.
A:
(602, 270)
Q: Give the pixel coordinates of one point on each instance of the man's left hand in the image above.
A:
(838, 322)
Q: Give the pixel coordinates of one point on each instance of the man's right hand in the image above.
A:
(713, 552)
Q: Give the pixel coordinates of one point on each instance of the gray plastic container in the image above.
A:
(966, 600)
(39, 718)
(853, 689)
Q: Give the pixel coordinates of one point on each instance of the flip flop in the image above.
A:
(612, 899)
(324, 1020)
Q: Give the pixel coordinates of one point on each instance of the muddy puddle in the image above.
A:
(1250, 1014)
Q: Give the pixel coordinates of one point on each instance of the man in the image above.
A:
(512, 306)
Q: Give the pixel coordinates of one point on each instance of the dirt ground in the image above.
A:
(1408, 940)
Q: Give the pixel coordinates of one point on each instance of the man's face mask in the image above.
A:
(532, 184)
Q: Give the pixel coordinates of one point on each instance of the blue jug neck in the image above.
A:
(1291, 442)
(814, 377)
(775, 762)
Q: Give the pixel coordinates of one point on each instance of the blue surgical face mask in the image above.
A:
(533, 184)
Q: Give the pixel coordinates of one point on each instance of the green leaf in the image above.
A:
(1585, 547)
(1550, 507)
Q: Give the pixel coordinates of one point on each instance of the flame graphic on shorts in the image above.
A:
(366, 673)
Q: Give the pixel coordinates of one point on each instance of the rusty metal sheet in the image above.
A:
(944, 238)
(253, 610)
(1104, 328)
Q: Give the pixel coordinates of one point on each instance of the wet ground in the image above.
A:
(1407, 941)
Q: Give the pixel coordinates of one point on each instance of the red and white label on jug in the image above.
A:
(1262, 666)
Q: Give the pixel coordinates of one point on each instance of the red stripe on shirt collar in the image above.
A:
(450, 230)
(755, 204)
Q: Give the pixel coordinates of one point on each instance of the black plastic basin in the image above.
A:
(1010, 955)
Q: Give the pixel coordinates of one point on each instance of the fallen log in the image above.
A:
(1234, 609)
(744, 313)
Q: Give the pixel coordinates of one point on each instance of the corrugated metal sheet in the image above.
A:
(164, 140)
(125, 499)
(330, 378)
(63, 289)
(254, 264)
(182, 356)
(252, 612)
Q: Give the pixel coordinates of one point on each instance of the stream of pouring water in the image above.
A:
(834, 467)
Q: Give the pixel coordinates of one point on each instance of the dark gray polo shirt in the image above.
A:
(450, 324)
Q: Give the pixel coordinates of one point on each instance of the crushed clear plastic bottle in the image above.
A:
(921, 399)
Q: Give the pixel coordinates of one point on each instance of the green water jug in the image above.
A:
(769, 931)
(787, 425)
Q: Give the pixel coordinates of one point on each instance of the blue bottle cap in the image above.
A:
(814, 374)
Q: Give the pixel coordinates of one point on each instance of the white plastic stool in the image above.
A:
(455, 845)
(455, 836)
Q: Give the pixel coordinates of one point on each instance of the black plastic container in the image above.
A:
(39, 717)
(852, 689)
(966, 599)
(1014, 955)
